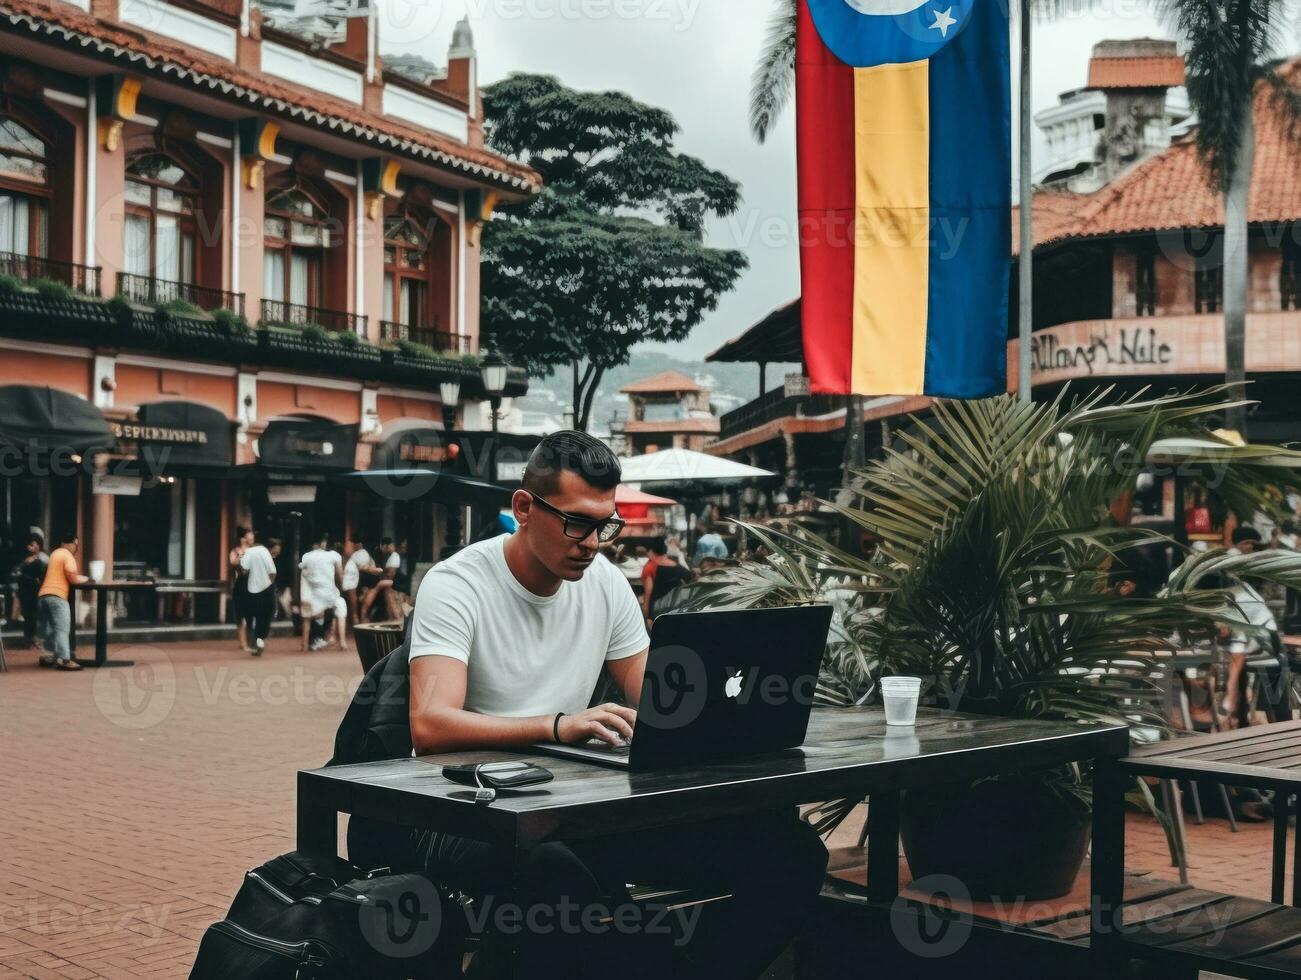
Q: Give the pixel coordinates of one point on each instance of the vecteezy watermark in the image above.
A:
(140, 696)
(928, 930)
(680, 14)
(401, 917)
(678, 685)
(143, 924)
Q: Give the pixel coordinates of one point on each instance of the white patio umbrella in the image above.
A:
(687, 466)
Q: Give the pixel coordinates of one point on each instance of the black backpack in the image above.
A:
(301, 917)
(321, 918)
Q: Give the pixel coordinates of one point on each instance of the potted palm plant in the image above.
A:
(994, 580)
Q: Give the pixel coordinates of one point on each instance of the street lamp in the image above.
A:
(450, 393)
(493, 374)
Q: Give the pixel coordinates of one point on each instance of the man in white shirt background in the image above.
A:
(507, 643)
(322, 578)
(358, 561)
(260, 568)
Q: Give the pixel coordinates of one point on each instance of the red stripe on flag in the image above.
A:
(824, 125)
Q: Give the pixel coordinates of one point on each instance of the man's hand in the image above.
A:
(609, 722)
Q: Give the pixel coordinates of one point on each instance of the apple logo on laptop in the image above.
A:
(733, 686)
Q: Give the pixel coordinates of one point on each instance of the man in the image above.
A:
(650, 573)
(507, 644)
(1243, 644)
(321, 581)
(384, 587)
(61, 576)
(359, 561)
(710, 547)
(30, 575)
(259, 568)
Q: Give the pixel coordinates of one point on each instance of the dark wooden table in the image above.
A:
(1243, 938)
(847, 753)
(102, 591)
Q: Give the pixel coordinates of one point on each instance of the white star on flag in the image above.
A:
(943, 21)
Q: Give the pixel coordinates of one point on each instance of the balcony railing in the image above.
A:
(439, 340)
(769, 407)
(156, 292)
(82, 278)
(296, 315)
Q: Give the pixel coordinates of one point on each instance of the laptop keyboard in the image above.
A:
(599, 745)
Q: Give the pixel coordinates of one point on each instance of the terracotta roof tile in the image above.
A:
(1170, 190)
(664, 381)
(220, 74)
(1136, 72)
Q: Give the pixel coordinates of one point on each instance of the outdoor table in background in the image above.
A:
(1250, 938)
(848, 752)
(102, 591)
(190, 587)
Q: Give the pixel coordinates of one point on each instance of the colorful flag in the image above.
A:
(904, 144)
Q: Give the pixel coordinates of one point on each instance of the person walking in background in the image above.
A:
(359, 560)
(259, 569)
(61, 577)
(244, 538)
(659, 557)
(322, 578)
(30, 575)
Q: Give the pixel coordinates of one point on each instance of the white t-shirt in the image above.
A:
(259, 564)
(318, 575)
(526, 654)
(358, 560)
(394, 561)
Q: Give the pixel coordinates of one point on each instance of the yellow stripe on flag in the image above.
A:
(892, 255)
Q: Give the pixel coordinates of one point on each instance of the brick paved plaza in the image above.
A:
(133, 799)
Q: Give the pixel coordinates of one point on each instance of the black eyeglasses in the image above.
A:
(579, 527)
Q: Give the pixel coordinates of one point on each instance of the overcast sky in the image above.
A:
(695, 58)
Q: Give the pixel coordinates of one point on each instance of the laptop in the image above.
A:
(720, 684)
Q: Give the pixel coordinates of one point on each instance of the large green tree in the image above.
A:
(612, 253)
(1228, 46)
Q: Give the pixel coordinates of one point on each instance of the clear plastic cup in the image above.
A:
(899, 695)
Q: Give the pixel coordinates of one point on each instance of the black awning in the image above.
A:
(167, 436)
(309, 445)
(776, 339)
(46, 420)
(476, 459)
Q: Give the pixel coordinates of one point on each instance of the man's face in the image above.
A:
(247, 539)
(33, 548)
(1247, 546)
(563, 556)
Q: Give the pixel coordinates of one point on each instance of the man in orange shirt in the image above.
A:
(55, 611)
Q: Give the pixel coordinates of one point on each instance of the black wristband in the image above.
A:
(555, 727)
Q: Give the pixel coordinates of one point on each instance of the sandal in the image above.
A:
(46, 660)
(69, 665)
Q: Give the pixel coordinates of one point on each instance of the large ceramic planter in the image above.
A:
(1010, 838)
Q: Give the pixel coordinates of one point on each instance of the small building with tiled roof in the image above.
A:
(668, 411)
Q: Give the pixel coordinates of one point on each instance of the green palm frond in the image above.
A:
(774, 75)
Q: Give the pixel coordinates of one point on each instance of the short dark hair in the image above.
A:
(67, 537)
(576, 452)
(322, 537)
(1245, 532)
(659, 546)
(385, 542)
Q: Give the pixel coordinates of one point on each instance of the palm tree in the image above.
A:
(998, 565)
(1228, 47)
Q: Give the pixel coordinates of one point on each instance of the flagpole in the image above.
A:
(1026, 254)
